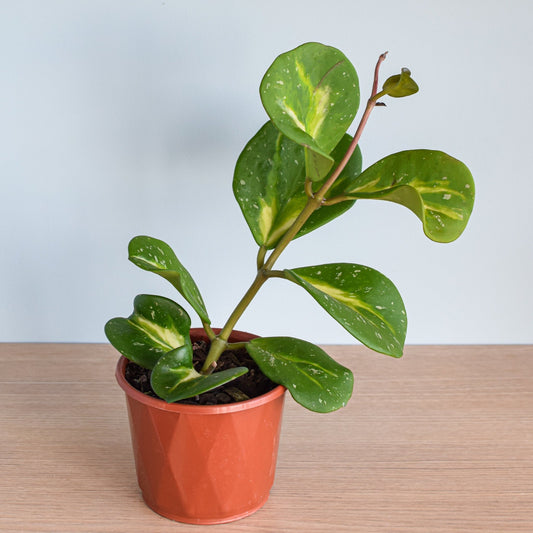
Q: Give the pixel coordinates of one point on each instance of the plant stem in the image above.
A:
(381, 58)
(336, 200)
(355, 141)
(220, 343)
(309, 188)
(210, 333)
(316, 201)
(275, 274)
(236, 345)
(261, 257)
(313, 203)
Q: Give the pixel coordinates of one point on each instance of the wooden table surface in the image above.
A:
(440, 440)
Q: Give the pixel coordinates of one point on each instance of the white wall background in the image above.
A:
(121, 118)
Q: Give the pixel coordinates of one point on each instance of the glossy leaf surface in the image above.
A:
(157, 256)
(311, 94)
(156, 326)
(174, 377)
(314, 379)
(438, 188)
(363, 301)
(400, 85)
(269, 185)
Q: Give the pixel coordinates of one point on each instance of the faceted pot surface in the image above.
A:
(204, 464)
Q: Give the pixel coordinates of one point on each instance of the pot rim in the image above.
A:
(157, 403)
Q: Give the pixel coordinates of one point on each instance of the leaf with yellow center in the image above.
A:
(156, 326)
(269, 185)
(158, 257)
(313, 378)
(363, 301)
(174, 377)
(311, 94)
(438, 188)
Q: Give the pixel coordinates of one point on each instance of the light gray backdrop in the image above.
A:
(125, 118)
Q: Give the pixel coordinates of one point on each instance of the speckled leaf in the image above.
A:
(313, 378)
(363, 301)
(311, 94)
(156, 326)
(438, 188)
(269, 185)
(174, 377)
(158, 257)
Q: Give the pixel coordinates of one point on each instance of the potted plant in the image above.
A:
(200, 463)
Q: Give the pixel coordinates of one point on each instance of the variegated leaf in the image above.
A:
(269, 183)
(157, 256)
(313, 378)
(363, 301)
(174, 377)
(438, 188)
(156, 326)
(311, 94)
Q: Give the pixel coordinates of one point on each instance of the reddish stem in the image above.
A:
(376, 73)
(355, 141)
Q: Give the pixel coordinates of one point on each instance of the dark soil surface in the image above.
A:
(253, 383)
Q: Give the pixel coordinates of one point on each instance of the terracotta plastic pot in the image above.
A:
(204, 464)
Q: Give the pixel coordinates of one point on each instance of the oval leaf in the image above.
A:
(311, 94)
(158, 257)
(174, 378)
(314, 379)
(363, 301)
(438, 188)
(156, 326)
(269, 185)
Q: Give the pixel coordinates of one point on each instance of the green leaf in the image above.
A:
(400, 85)
(269, 185)
(363, 301)
(438, 188)
(317, 165)
(156, 326)
(174, 377)
(314, 379)
(158, 257)
(311, 94)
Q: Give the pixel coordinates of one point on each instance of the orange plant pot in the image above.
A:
(204, 464)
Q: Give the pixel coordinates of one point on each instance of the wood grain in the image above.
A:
(438, 441)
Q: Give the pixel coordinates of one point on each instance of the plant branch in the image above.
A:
(355, 141)
(312, 205)
(309, 188)
(221, 342)
(336, 200)
(236, 345)
(210, 333)
(376, 74)
(314, 202)
(261, 257)
(275, 274)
